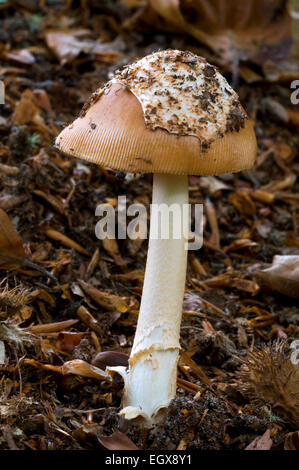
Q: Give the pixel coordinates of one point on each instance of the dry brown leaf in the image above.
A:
(67, 341)
(282, 276)
(256, 30)
(136, 275)
(76, 367)
(104, 299)
(243, 203)
(64, 240)
(230, 279)
(43, 295)
(51, 327)
(111, 246)
(79, 367)
(117, 441)
(240, 244)
(42, 99)
(26, 110)
(12, 253)
(262, 196)
(86, 317)
(212, 184)
(9, 201)
(197, 266)
(56, 203)
(213, 222)
(9, 170)
(92, 264)
(245, 285)
(261, 443)
(18, 57)
(288, 181)
(67, 44)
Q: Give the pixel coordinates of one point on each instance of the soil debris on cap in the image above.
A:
(183, 94)
(180, 93)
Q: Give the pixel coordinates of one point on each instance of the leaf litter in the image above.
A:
(69, 302)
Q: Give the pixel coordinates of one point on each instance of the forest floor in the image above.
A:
(85, 298)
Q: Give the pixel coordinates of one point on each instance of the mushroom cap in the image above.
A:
(170, 112)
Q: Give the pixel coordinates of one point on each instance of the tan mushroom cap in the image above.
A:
(113, 134)
(170, 112)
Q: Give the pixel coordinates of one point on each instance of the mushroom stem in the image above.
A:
(150, 382)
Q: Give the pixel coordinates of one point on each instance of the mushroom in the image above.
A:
(171, 114)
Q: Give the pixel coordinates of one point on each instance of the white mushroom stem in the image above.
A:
(150, 382)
